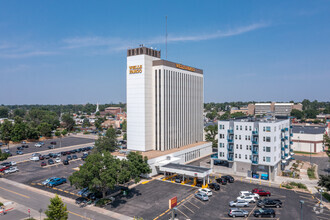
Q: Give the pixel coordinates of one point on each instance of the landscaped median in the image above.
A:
(295, 186)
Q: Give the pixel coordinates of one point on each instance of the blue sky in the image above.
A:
(60, 52)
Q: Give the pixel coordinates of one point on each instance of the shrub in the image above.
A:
(326, 196)
(299, 185)
(102, 202)
(1, 204)
(287, 186)
(311, 172)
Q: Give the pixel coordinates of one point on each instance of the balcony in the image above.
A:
(215, 156)
(230, 131)
(286, 154)
(255, 142)
(286, 137)
(230, 147)
(286, 146)
(254, 132)
(282, 139)
(290, 126)
(291, 134)
(291, 150)
(255, 151)
(291, 142)
(283, 130)
(230, 158)
(286, 129)
(282, 148)
(230, 140)
(255, 161)
(282, 157)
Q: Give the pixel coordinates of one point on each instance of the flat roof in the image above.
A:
(156, 153)
(308, 129)
(176, 65)
(190, 168)
(254, 119)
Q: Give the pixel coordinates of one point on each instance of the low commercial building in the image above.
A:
(308, 138)
(278, 109)
(243, 110)
(255, 145)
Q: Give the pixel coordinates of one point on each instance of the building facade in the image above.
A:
(278, 109)
(308, 138)
(253, 145)
(164, 102)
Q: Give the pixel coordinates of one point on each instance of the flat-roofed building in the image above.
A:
(308, 138)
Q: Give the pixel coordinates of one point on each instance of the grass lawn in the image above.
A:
(302, 152)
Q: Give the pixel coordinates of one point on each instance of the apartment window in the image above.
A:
(267, 139)
(275, 150)
(275, 130)
(235, 155)
(236, 127)
(236, 146)
(250, 147)
(250, 128)
(267, 159)
(235, 136)
(275, 158)
(263, 159)
(263, 149)
(267, 129)
(245, 128)
(245, 137)
(240, 127)
(239, 156)
(240, 146)
(245, 157)
(250, 157)
(275, 139)
(267, 149)
(239, 137)
(263, 128)
(247, 147)
(249, 137)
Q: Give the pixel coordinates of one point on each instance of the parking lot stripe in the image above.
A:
(183, 214)
(193, 204)
(65, 191)
(188, 208)
(60, 190)
(79, 215)
(39, 184)
(15, 192)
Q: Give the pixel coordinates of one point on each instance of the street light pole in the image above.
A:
(310, 153)
(301, 209)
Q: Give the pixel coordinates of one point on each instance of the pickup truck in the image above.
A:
(56, 182)
(11, 170)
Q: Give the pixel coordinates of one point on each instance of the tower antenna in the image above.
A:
(166, 36)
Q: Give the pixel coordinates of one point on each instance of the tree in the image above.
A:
(5, 130)
(311, 113)
(64, 132)
(19, 131)
(211, 133)
(297, 113)
(108, 142)
(45, 129)
(56, 210)
(19, 112)
(68, 121)
(324, 181)
(57, 134)
(4, 112)
(32, 133)
(99, 173)
(124, 126)
(3, 156)
(237, 115)
(97, 114)
(224, 116)
(86, 123)
(211, 115)
(125, 136)
(138, 165)
(98, 123)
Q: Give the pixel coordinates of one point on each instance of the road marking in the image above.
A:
(252, 211)
(60, 190)
(81, 216)
(188, 208)
(183, 214)
(15, 193)
(193, 204)
(65, 191)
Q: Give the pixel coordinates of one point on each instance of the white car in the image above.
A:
(38, 145)
(13, 163)
(248, 193)
(58, 160)
(48, 180)
(206, 191)
(247, 199)
(11, 170)
(34, 158)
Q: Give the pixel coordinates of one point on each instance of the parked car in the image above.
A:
(81, 200)
(20, 148)
(82, 191)
(247, 198)
(206, 191)
(38, 145)
(56, 182)
(222, 181)
(229, 179)
(264, 213)
(238, 203)
(23, 142)
(12, 163)
(25, 146)
(51, 147)
(178, 179)
(36, 154)
(11, 170)
(48, 180)
(79, 150)
(96, 195)
(63, 153)
(201, 196)
(3, 168)
(58, 160)
(84, 157)
(51, 155)
(269, 203)
(19, 152)
(65, 162)
(237, 212)
(50, 161)
(261, 192)
(53, 143)
(248, 193)
(34, 158)
(214, 186)
(69, 157)
(74, 157)
(43, 163)
(6, 164)
(46, 156)
(41, 157)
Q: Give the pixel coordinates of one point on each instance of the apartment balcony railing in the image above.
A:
(230, 131)
(286, 154)
(283, 130)
(230, 148)
(286, 129)
(282, 157)
(255, 151)
(286, 137)
(255, 161)
(291, 134)
(255, 142)
(230, 158)
(230, 140)
(254, 132)
(291, 142)
(291, 150)
(286, 146)
(282, 148)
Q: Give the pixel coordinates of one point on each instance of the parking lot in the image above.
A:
(67, 141)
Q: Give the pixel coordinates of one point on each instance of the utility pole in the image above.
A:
(301, 209)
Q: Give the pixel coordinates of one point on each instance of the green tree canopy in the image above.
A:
(68, 121)
(19, 131)
(211, 133)
(19, 112)
(5, 130)
(56, 210)
(45, 129)
(324, 181)
(86, 123)
(108, 142)
(124, 126)
(138, 165)
(57, 133)
(297, 114)
(4, 112)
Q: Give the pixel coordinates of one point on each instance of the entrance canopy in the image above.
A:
(186, 170)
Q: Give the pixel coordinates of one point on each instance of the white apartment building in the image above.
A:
(164, 102)
(255, 146)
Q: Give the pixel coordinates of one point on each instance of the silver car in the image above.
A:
(238, 203)
(236, 212)
(201, 196)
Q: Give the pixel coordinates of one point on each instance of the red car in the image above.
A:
(261, 192)
(3, 168)
(43, 164)
(41, 157)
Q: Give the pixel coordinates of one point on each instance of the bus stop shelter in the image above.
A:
(187, 171)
